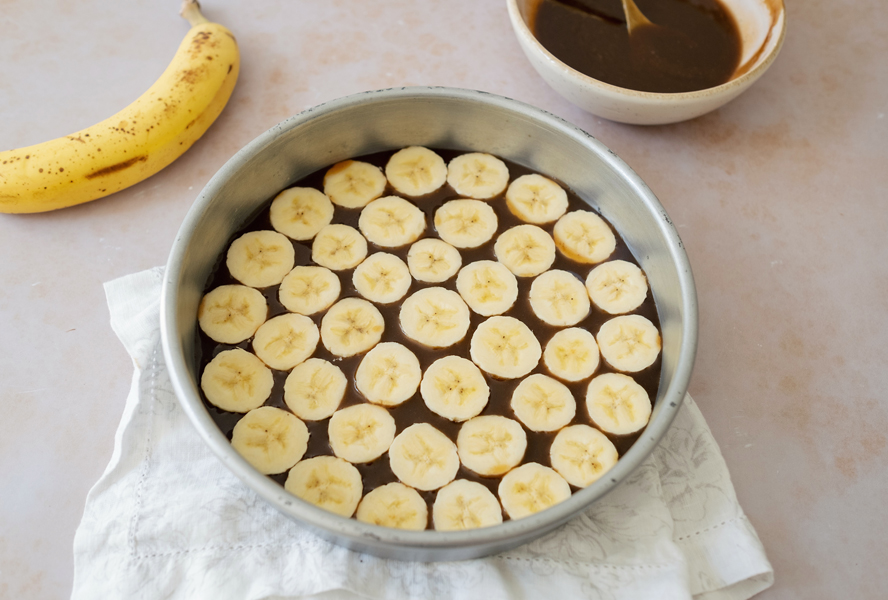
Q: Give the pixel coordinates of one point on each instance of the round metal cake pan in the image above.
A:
(438, 118)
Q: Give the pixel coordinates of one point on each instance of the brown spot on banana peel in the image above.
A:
(118, 167)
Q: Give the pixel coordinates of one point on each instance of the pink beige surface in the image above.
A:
(781, 198)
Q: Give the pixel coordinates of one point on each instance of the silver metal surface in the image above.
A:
(439, 118)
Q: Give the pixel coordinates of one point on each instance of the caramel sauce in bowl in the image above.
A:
(462, 121)
(760, 24)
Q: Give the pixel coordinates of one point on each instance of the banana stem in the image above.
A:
(191, 12)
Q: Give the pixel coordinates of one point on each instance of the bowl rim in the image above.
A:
(427, 544)
(522, 29)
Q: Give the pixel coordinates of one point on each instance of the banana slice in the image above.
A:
(559, 298)
(526, 250)
(536, 199)
(543, 404)
(491, 445)
(382, 278)
(270, 439)
(629, 343)
(394, 505)
(416, 171)
(260, 259)
(617, 404)
(584, 237)
(454, 388)
(389, 374)
(327, 482)
(505, 347)
(309, 290)
(423, 457)
(314, 389)
(339, 247)
(571, 354)
(488, 287)
(361, 433)
(617, 286)
(466, 223)
(285, 341)
(582, 454)
(230, 314)
(300, 213)
(477, 175)
(433, 261)
(531, 488)
(351, 326)
(464, 504)
(353, 184)
(435, 316)
(391, 222)
(236, 381)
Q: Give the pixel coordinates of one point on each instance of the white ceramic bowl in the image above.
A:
(762, 25)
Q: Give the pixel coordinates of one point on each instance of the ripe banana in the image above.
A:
(543, 404)
(351, 326)
(536, 199)
(488, 287)
(229, 314)
(382, 278)
(314, 389)
(617, 286)
(327, 482)
(464, 504)
(236, 381)
(531, 488)
(423, 457)
(353, 184)
(433, 261)
(526, 250)
(629, 343)
(391, 222)
(309, 290)
(388, 374)
(416, 171)
(435, 316)
(572, 354)
(286, 340)
(138, 141)
(361, 433)
(617, 404)
(505, 347)
(491, 445)
(583, 236)
(466, 223)
(394, 505)
(454, 388)
(300, 213)
(559, 298)
(260, 259)
(477, 175)
(270, 439)
(582, 454)
(339, 247)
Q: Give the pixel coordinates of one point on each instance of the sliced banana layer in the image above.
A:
(361, 433)
(488, 287)
(526, 250)
(351, 326)
(536, 199)
(433, 261)
(382, 278)
(582, 454)
(300, 212)
(327, 482)
(617, 287)
(629, 343)
(543, 404)
(416, 171)
(236, 381)
(308, 290)
(286, 340)
(559, 298)
(388, 374)
(391, 222)
(423, 457)
(531, 488)
(584, 237)
(454, 388)
(394, 505)
(270, 439)
(435, 316)
(466, 223)
(505, 347)
(314, 389)
(354, 184)
(477, 175)
(230, 314)
(339, 247)
(260, 259)
(464, 504)
(572, 354)
(491, 445)
(617, 404)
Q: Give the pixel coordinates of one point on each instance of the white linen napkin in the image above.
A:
(168, 520)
